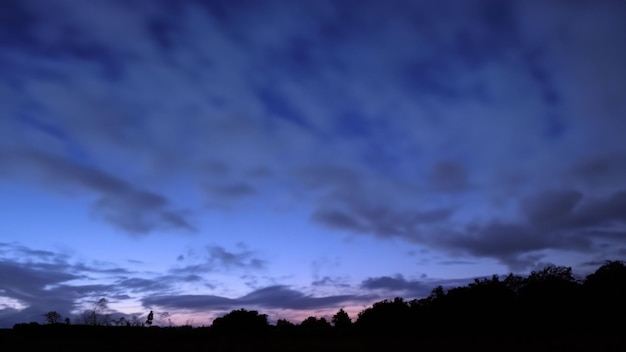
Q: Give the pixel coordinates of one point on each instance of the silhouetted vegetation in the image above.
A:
(52, 317)
(241, 322)
(548, 309)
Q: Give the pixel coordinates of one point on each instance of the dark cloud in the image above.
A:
(448, 176)
(398, 284)
(555, 219)
(192, 302)
(232, 191)
(330, 281)
(129, 208)
(226, 259)
(217, 258)
(141, 285)
(380, 220)
(607, 211)
(21, 250)
(32, 284)
(551, 208)
(36, 291)
(285, 298)
(216, 168)
(569, 209)
(273, 297)
(339, 219)
(600, 170)
(327, 176)
(352, 204)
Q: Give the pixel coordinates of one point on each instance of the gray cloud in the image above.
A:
(600, 170)
(448, 176)
(217, 258)
(551, 208)
(397, 283)
(330, 281)
(141, 285)
(243, 259)
(36, 281)
(382, 220)
(555, 219)
(232, 191)
(399, 286)
(129, 208)
(273, 297)
(38, 289)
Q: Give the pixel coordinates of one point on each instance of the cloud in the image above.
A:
(398, 284)
(34, 290)
(272, 297)
(554, 219)
(351, 202)
(379, 218)
(231, 191)
(34, 281)
(330, 281)
(131, 209)
(550, 208)
(141, 285)
(217, 258)
(600, 171)
(448, 176)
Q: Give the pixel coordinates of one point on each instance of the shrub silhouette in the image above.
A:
(149, 318)
(241, 322)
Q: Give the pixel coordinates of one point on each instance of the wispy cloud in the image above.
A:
(125, 206)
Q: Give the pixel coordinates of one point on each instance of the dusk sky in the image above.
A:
(300, 156)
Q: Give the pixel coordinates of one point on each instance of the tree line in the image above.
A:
(547, 301)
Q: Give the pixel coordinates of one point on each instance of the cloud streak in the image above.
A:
(129, 208)
(272, 297)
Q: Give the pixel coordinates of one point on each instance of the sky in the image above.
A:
(298, 157)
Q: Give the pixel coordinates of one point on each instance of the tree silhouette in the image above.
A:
(341, 320)
(96, 315)
(285, 327)
(313, 326)
(52, 317)
(553, 294)
(386, 317)
(241, 322)
(605, 290)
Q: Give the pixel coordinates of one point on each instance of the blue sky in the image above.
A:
(297, 157)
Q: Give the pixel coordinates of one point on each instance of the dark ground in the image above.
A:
(82, 338)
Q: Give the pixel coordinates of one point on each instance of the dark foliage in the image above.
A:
(342, 322)
(547, 310)
(241, 322)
